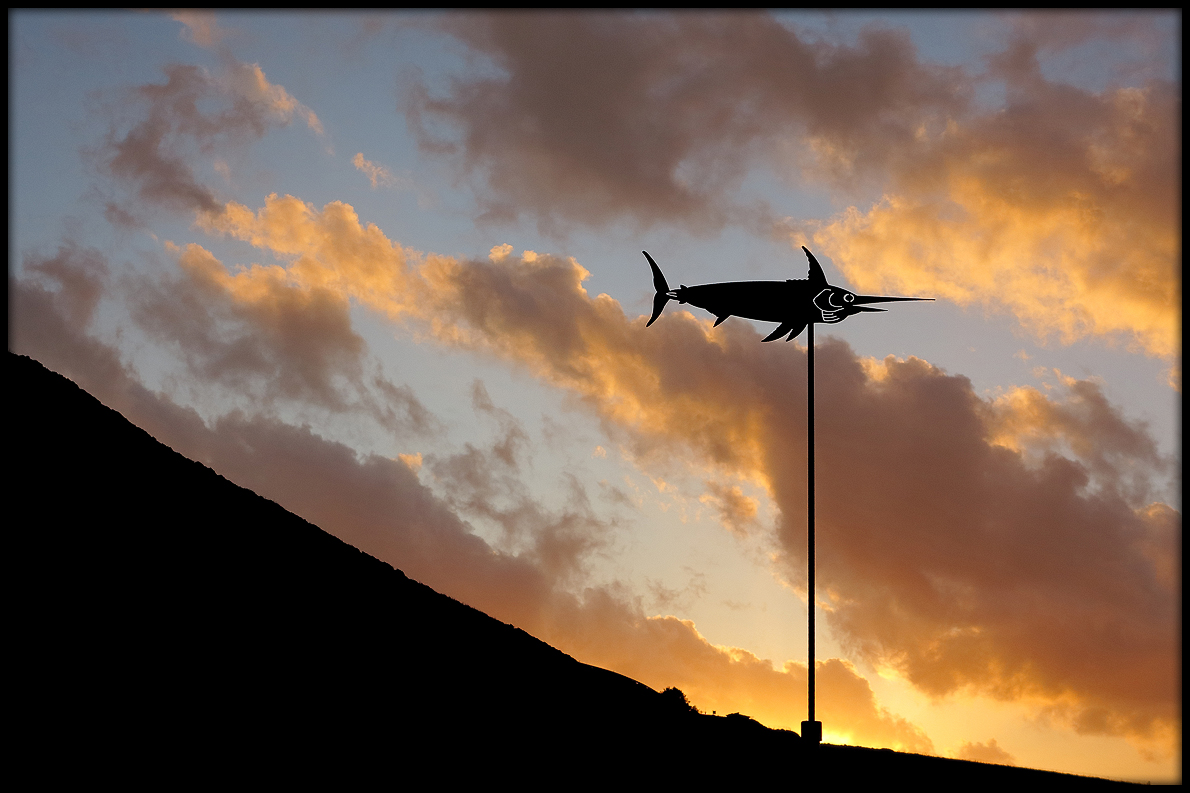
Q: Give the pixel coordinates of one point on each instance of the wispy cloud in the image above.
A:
(177, 123)
(378, 175)
(200, 28)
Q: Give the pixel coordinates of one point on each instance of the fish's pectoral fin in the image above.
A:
(785, 327)
(797, 329)
(719, 320)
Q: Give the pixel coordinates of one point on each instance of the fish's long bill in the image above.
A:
(863, 299)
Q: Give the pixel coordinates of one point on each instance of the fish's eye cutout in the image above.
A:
(848, 298)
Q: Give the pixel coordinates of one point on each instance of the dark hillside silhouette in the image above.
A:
(170, 625)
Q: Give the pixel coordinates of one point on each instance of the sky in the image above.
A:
(386, 270)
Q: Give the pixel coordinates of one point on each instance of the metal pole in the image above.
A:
(811, 729)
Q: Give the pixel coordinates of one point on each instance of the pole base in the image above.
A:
(812, 732)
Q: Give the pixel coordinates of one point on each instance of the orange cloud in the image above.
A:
(1083, 244)
(1025, 420)
(1061, 207)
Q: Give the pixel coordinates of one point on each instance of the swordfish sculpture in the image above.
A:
(794, 303)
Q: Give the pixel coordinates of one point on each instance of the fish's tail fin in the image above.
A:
(659, 301)
(662, 287)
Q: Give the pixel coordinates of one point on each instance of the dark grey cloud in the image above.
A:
(596, 117)
(162, 132)
(272, 342)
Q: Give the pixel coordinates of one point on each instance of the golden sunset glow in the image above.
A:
(387, 272)
(1078, 245)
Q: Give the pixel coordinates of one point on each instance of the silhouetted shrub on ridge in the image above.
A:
(676, 702)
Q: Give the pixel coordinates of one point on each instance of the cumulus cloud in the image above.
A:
(598, 117)
(1085, 423)
(1061, 209)
(256, 334)
(295, 339)
(949, 553)
(1061, 206)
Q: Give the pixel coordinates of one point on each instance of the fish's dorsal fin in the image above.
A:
(817, 277)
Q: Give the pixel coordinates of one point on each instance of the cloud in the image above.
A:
(1000, 548)
(256, 334)
(200, 28)
(1047, 33)
(297, 340)
(989, 752)
(379, 505)
(248, 84)
(52, 306)
(1085, 423)
(485, 484)
(1062, 209)
(176, 123)
(1060, 206)
(595, 118)
(728, 679)
(737, 512)
(378, 175)
(367, 266)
